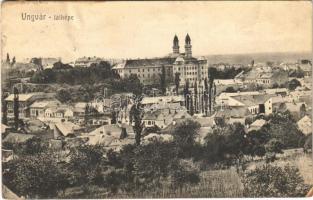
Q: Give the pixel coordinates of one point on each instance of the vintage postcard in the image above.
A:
(161, 99)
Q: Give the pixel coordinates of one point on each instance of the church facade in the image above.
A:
(148, 71)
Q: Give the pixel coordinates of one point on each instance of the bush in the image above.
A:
(34, 176)
(274, 181)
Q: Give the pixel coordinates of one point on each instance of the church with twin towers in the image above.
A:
(189, 68)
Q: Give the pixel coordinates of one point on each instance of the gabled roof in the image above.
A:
(165, 99)
(152, 62)
(236, 112)
(44, 104)
(294, 107)
(305, 125)
(66, 128)
(251, 100)
(21, 97)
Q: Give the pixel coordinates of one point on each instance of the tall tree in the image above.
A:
(211, 74)
(205, 96)
(163, 80)
(192, 107)
(13, 61)
(87, 113)
(16, 107)
(8, 58)
(196, 97)
(187, 94)
(4, 113)
(113, 117)
(136, 117)
(177, 81)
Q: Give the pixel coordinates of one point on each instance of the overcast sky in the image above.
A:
(146, 29)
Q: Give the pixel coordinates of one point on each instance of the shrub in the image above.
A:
(274, 181)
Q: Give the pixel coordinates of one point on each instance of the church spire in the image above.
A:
(188, 46)
(187, 39)
(175, 45)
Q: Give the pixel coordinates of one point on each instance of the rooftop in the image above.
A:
(251, 100)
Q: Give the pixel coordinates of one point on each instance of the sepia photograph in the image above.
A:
(160, 99)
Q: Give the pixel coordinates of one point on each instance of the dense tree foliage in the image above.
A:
(283, 127)
(32, 146)
(33, 176)
(274, 181)
(64, 73)
(227, 73)
(293, 84)
(184, 137)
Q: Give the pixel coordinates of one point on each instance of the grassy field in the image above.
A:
(213, 183)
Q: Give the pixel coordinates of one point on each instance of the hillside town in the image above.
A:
(48, 105)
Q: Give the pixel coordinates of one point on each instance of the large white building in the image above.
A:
(149, 70)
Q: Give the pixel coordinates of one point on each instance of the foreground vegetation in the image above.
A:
(178, 168)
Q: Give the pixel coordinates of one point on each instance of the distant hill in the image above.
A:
(258, 57)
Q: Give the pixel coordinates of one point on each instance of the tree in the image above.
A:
(60, 66)
(87, 113)
(283, 127)
(192, 107)
(196, 104)
(163, 80)
(293, 84)
(184, 136)
(132, 84)
(230, 90)
(33, 176)
(274, 181)
(177, 82)
(302, 110)
(212, 72)
(86, 164)
(187, 95)
(16, 107)
(8, 58)
(123, 133)
(274, 146)
(113, 117)
(63, 96)
(32, 146)
(13, 61)
(308, 143)
(136, 117)
(206, 96)
(4, 111)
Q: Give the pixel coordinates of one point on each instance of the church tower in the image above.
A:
(188, 52)
(175, 45)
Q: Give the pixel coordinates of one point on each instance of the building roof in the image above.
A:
(66, 128)
(305, 125)
(227, 81)
(113, 130)
(251, 100)
(276, 90)
(17, 137)
(21, 97)
(205, 121)
(226, 95)
(109, 135)
(44, 104)
(258, 123)
(165, 99)
(236, 112)
(293, 106)
(152, 62)
(3, 128)
(159, 137)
